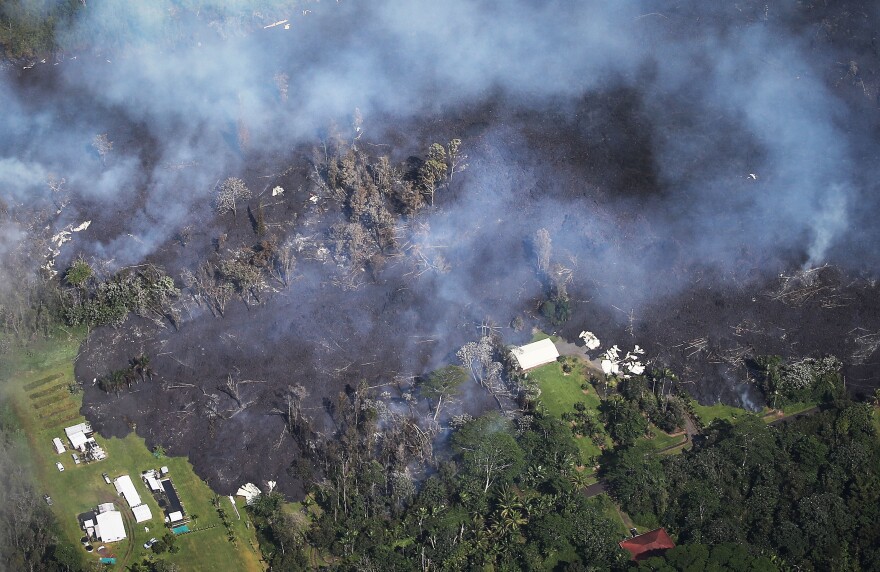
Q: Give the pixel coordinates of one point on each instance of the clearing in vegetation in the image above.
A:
(80, 488)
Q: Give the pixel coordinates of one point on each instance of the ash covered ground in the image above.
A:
(708, 176)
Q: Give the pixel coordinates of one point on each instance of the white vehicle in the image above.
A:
(75, 458)
(150, 542)
(60, 467)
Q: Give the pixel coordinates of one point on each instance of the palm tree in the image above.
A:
(579, 479)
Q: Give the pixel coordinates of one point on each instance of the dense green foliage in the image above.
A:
(651, 394)
(728, 556)
(557, 310)
(807, 491)
(28, 27)
(138, 370)
(147, 291)
(806, 380)
(500, 497)
(29, 538)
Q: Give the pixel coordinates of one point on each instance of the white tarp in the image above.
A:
(125, 487)
(535, 354)
(142, 513)
(109, 527)
(59, 446)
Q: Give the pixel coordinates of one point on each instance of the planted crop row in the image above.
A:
(48, 391)
(42, 381)
(49, 401)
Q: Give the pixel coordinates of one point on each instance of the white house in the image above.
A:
(109, 526)
(125, 487)
(535, 354)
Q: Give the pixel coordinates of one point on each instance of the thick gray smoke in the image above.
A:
(744, 139)
(697, 143)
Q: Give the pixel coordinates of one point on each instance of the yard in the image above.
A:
(37, 379)
(559, 393)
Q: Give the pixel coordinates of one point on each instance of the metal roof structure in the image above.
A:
(125, 487)
(142, 513)
(647, 545)
(78, 428)
(109, 526)
(535, 354)
(78, 440)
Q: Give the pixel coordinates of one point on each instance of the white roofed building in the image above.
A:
(537, 353)
(151, 481)
(109, 526)
(106, 507)
(78, 440)
(142, 513)
(125, 487)
(59, 446)
(78, 428)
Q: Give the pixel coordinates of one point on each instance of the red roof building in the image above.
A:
(646, 545)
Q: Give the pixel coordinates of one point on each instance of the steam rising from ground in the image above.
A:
(738, 94)
(702, 143)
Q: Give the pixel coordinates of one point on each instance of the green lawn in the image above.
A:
(559, 393)
(540, 335)
(709, 413)
(795, 408)
(662, 440)
(37, 379)
(604, 503)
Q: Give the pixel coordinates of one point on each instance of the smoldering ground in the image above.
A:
(681, 161)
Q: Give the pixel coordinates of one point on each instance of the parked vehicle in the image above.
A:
(60, 467)
(150, 542)
(106, 478)
(75, 458)
(48, 499)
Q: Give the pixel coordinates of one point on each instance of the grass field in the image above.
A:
(37, 379)
(559, 393)
(662, 440)
(709, 413)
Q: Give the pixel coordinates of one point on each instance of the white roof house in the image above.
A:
(174, 516)
(109, 526)
(78, 428)
(125, 487)
(59, 446)
(535, 354)
(142, 513)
